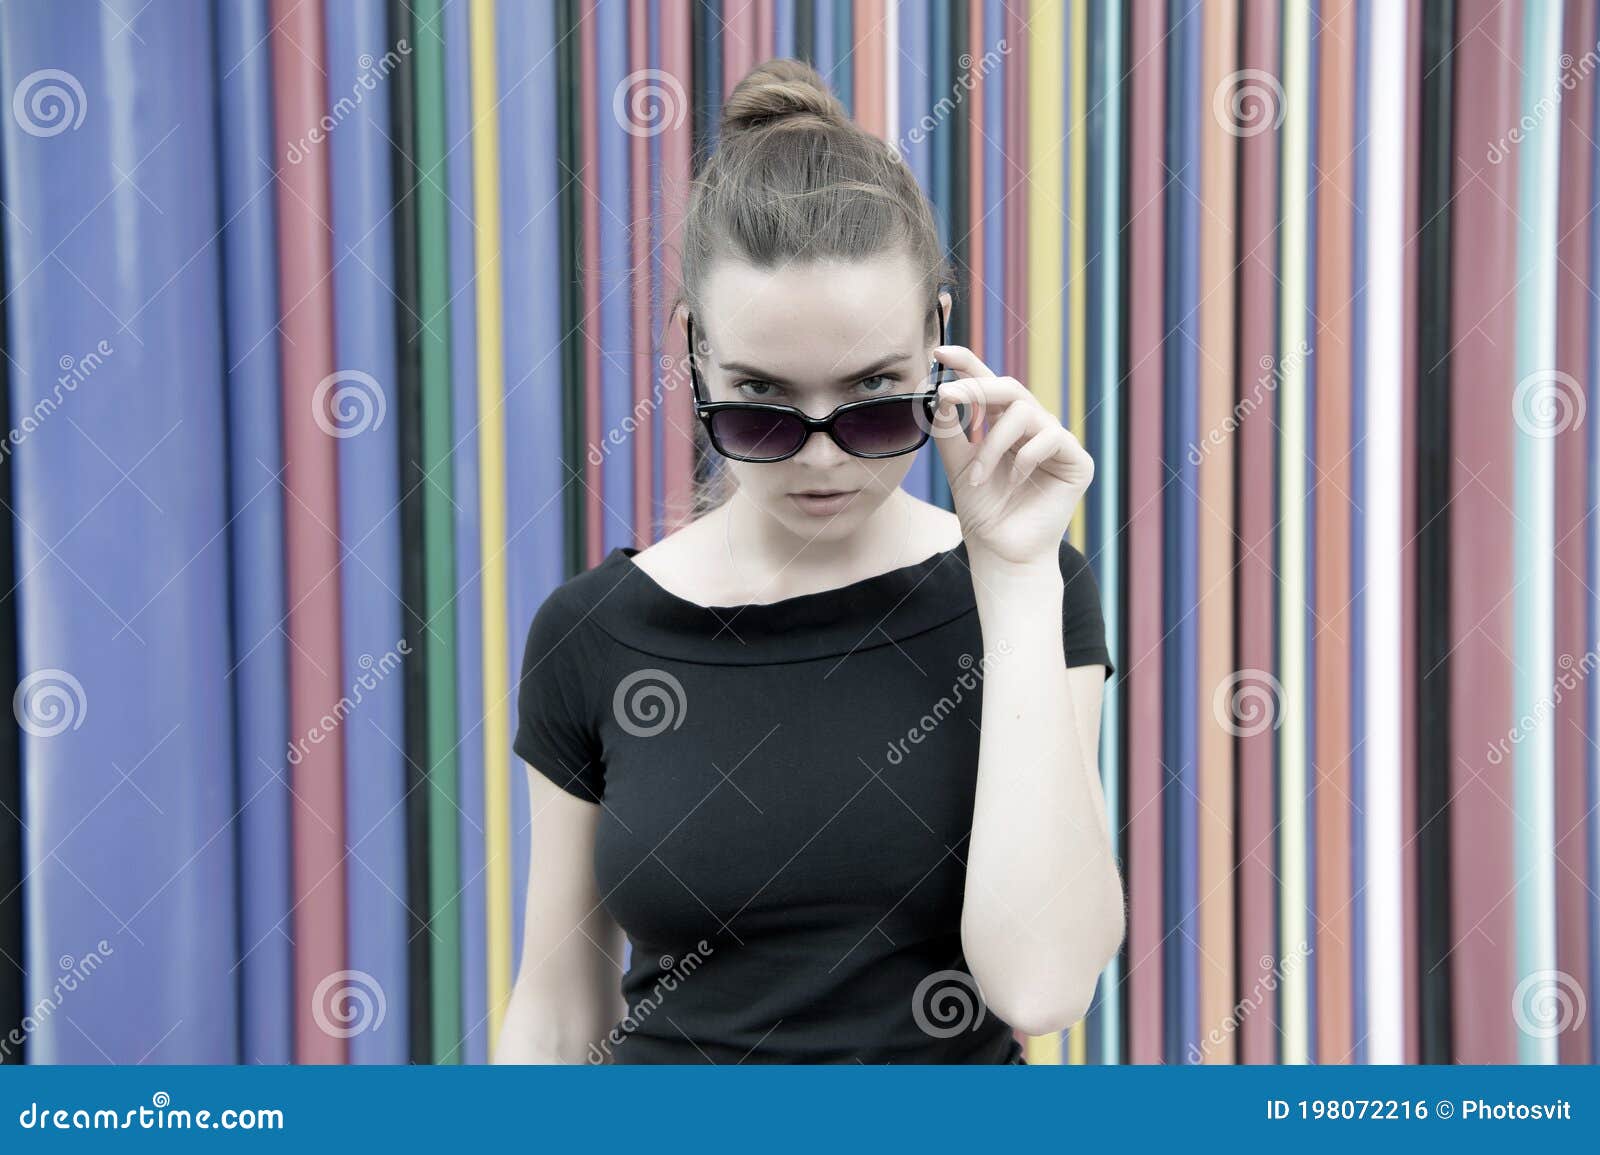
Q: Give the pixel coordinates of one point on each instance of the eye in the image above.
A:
(751, 390)
(883, 382)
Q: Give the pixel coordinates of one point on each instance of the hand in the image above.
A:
(1016, 491)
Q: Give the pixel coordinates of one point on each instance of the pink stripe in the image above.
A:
(311, 520)
(677, 444)
(1482, 379)
(639, 203)
(588, 174)
(867, 61)
(738, 42)
(1572, 480)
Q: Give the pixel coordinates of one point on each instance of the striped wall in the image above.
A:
(335, 338)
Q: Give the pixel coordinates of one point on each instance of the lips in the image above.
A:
(824, 504)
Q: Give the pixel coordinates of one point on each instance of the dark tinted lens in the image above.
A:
(757, 433)
(888, 426)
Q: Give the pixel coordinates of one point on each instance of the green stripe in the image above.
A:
(438, 508)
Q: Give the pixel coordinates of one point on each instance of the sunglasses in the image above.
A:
(876, 427)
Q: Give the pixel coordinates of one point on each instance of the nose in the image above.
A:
(821, 452)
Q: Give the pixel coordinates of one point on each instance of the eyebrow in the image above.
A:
(877, 366)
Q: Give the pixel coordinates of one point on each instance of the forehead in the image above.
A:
(788, 314)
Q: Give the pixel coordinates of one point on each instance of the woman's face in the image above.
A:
(816, 335)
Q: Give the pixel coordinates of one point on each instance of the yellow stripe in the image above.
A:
(492, 511)
(1043, 1050)
(1047, 204)
(1078, 276)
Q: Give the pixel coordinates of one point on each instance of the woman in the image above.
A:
(812, 752)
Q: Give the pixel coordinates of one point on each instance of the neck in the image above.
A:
(762, 544)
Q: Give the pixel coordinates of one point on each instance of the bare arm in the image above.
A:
(566, 996)
(1043, 912)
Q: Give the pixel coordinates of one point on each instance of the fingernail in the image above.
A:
(975, 474)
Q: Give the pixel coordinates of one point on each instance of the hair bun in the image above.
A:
(778, 90)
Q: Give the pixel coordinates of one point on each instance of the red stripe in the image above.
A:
(1483, 323)
(311, 521)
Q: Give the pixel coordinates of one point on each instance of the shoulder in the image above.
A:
(566, 618)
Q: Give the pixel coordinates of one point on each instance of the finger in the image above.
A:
(963, 360)
(1016, 423)
(956, 451)
(1042, 445)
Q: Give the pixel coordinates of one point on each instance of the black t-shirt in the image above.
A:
(788, 793)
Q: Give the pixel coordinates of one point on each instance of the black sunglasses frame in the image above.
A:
(707, 410)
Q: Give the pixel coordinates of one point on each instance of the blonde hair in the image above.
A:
(793, 177)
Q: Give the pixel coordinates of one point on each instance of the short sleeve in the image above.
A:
(556, 733)
(1083, 623)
